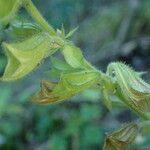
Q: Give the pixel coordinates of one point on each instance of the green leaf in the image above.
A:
(61, 33)
(71, 33)
(22, 30)
(70, 84)
(60, 65)
(23, 57)
(73, 56)
(80, 78)
(8, 9)
(133, 90)
(63, 30)
(120, 139)
(106, 99)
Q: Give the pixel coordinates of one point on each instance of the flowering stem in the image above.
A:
(36, 15)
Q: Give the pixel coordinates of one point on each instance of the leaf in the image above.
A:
(120, 139)
(134, 91)
(63, 30)
(80, 78)
(61, 33)
(23, 57)
(22, 30)
(70, 84)
(8, 9)
(71, 33)
(73, 56)
(60, 65)
(106, 99)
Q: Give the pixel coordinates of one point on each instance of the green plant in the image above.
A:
(74, 74)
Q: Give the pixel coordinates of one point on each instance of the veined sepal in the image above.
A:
(131, 89)
(69, 85)
(120, 139)
(23, 57)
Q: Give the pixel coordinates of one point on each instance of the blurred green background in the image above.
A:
(109, 30)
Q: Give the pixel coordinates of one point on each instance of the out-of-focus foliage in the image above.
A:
(81, 123)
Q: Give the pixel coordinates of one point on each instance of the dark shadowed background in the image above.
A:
(109, 30)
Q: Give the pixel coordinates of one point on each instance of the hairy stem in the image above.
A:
(36, 15)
